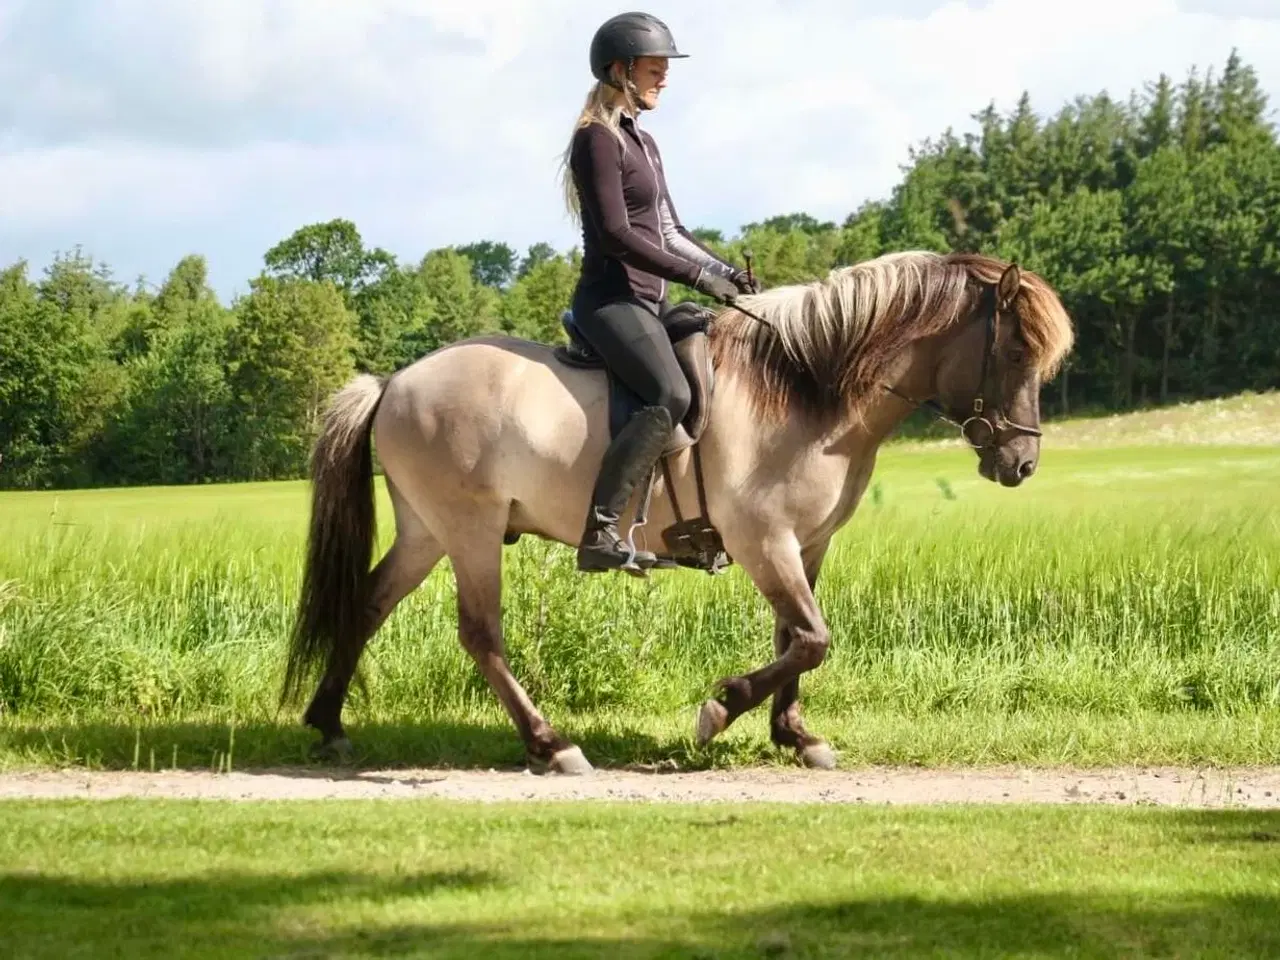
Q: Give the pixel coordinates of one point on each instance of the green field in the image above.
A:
(162, 879)
(1123, 606)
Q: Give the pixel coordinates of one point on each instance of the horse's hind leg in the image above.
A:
(411, 558)
(477, 565)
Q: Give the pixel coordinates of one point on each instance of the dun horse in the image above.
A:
(492, 438)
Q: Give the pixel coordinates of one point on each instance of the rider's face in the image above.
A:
(650, 77)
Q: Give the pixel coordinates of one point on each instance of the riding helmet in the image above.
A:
(627, 36)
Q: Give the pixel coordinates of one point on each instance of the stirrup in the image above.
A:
(642, 519)
(610, 543)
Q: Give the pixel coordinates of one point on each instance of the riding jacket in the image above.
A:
(633, 242)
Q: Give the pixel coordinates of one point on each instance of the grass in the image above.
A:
(431, 878)
(1124, 606)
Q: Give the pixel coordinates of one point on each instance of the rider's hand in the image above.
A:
(746, 283)
(716, 286)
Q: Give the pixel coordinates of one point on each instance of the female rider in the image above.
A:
(633, 245)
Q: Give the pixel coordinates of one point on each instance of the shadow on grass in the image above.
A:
(479, 744)
(310, 915)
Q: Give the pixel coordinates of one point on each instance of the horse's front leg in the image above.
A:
(786, 727)
(801, 639)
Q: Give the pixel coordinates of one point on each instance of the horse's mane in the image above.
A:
(827, 343)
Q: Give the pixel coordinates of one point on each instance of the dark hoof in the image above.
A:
(338, 750)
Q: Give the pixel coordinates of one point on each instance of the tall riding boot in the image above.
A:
(626, 462)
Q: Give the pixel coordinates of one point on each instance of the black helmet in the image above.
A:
(630, 35)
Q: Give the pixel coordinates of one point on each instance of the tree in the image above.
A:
(1161, 211)
(492, 264)
(44, 360)
(292, 346)
(175, 422)
(536, 301)
(536, 254)
(332, 251)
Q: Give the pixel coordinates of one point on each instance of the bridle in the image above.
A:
(986, 427)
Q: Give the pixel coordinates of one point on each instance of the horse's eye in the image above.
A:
(1016, 354)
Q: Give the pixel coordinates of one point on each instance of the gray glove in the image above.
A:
(716, 286)
(745, 283)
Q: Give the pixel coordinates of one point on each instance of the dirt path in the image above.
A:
(1246, 788)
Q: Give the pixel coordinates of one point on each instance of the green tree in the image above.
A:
(536, 301)
(492, 264)
(536, 254)
(175, 422)
(453, 305)
(332, 251)
(291, 346)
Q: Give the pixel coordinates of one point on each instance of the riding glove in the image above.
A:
(746, 283)
(716, 286)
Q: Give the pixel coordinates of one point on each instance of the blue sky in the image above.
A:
(147, 129)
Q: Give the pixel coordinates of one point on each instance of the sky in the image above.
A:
(144, 130)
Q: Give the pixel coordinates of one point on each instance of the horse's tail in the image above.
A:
(335, 581)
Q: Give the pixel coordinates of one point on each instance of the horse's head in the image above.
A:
(987, 385)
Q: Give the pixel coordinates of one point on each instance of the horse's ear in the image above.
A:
(1009, 284)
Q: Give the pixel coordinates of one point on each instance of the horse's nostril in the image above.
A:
(1026, 468)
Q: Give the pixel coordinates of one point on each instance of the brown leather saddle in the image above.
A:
(693, 542)
(686, 324)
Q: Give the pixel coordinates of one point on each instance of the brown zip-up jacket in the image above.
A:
(633, 242)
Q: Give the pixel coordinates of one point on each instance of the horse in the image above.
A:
(496, 437)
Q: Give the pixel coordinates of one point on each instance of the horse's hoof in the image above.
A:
(338, 750)
(571, 762)
(818, 756)
(712, 719)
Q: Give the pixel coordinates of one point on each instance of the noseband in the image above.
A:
(978, 429)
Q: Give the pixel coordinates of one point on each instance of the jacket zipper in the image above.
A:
(657, 212)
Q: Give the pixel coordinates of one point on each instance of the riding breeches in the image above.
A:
(630, 338)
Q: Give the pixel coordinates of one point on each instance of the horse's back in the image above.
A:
(490, 372)
(492, 396)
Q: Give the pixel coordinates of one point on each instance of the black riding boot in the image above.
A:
(627, 461)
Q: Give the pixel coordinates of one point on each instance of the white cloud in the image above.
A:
(222, 125)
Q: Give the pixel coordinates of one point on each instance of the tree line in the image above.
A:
(1156, 217)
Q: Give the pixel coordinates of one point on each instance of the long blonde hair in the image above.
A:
(604, 105)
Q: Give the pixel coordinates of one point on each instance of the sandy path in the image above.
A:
(1245, 788)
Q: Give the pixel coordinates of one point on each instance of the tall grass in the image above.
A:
(1122, 583)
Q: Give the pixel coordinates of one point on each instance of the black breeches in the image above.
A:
(635, 345)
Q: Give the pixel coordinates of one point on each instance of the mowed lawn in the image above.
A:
(162, 879)
(1122, 606)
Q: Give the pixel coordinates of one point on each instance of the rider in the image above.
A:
(633, 245)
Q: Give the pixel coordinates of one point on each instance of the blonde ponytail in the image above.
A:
(604, 105)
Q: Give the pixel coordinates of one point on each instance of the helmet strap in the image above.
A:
(627, 86)
(632, 89)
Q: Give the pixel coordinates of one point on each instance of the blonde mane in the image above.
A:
(827, 343)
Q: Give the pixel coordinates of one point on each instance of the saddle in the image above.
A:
(686, 325)
(693, 542)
